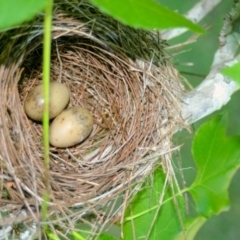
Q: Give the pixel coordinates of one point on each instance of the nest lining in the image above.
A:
(134, 102)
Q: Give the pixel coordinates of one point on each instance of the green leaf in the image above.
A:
(146, 14)
(191, 228)
(85, 235)
(233, 72)
(104, 236)
(217, 158)
(14, 12)
(139, 216)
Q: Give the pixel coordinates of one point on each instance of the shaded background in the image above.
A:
(225, 226)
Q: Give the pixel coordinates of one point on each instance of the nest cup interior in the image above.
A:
(125, 117)
(135, 107)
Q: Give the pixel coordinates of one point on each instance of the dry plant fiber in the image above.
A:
(124, 78)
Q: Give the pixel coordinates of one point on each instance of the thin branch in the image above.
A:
(216, 90)
(196, 14)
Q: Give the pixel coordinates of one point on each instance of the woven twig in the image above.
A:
(122, 76)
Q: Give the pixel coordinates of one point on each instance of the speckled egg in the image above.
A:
(34, 103)
(71, 127)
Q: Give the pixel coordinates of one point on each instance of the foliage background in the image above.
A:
(226, 225)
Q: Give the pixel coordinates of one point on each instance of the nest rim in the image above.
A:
(137, 98)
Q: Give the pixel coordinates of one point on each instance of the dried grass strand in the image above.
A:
(133, 94)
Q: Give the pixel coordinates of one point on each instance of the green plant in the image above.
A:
(217, 156)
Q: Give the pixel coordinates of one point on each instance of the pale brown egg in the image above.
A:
(34, 103)
(71, 127)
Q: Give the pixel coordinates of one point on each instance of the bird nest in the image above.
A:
(123, 77)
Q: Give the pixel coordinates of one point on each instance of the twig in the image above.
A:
(216, 90)
(196, 14)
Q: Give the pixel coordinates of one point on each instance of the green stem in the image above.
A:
(46, 91)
